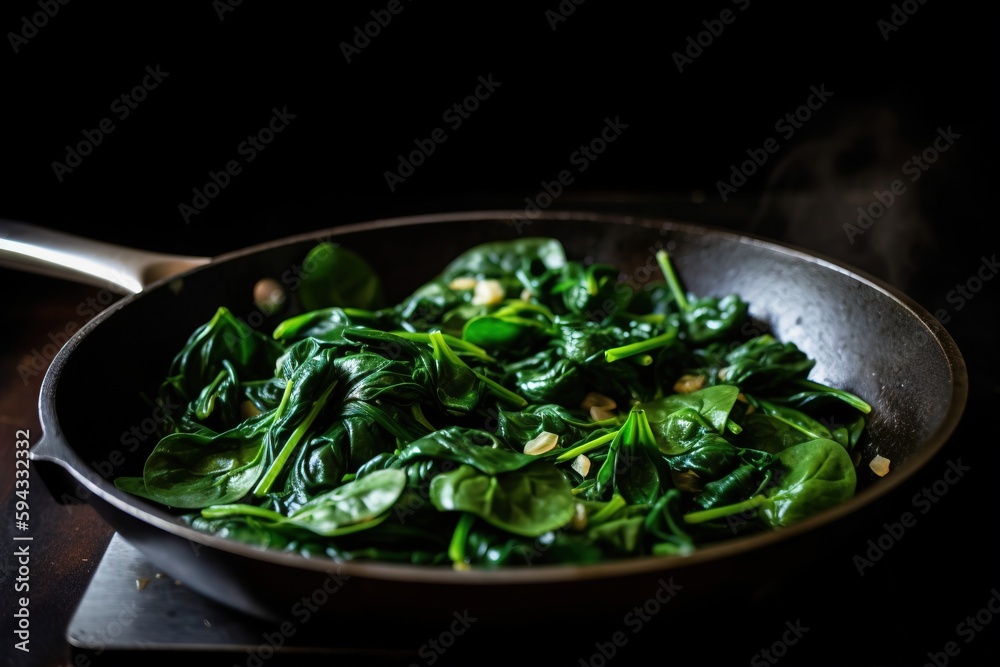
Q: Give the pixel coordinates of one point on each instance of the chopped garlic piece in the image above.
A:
(595, 400)
(579, 521)
(488, 293)
(689, 384)
(461, 284)
(743, 399)
(879, 465)
(545, 442)
(600, 406)
(600, 414)
(581, 464)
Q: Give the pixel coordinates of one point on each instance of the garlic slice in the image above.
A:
(544, 442)
(462, 284)
(488, 293)
(581, 464)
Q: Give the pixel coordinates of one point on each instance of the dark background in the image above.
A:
(890, 94)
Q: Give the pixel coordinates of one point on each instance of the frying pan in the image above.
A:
(865, 336)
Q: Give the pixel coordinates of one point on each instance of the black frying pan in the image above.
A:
(866, 337)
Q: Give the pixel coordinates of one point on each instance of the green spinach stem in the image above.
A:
(453, 342)
(663, 259)
(264, 486)
(212, 389)
(590, 445)
(456, 548)
(514, 307)
(846, 396)
(442, 349)
(502, 392)
(286, 397)
(600, 516)
(719, 512)
(772, 410)
(238, 509)
(625, 351)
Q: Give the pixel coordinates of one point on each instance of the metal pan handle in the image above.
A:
(120, 269)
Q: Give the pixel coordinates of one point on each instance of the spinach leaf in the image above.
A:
(348, 508)
(681, 430)
(529, 501)
(713, 404)
(322, 461)
(590, 289)
(194, 470)
(762, 364)
(511, 330)
(797, 419)
(455, 385)
(530, 255)
(334, 275)
(224, 344)
(634, 469)
(705, 318)
(815, 391)
(329, 323)
(819, 475)
(663, 523)
(770, 434)
(473, 447)
(518, 427)
(810, 478)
